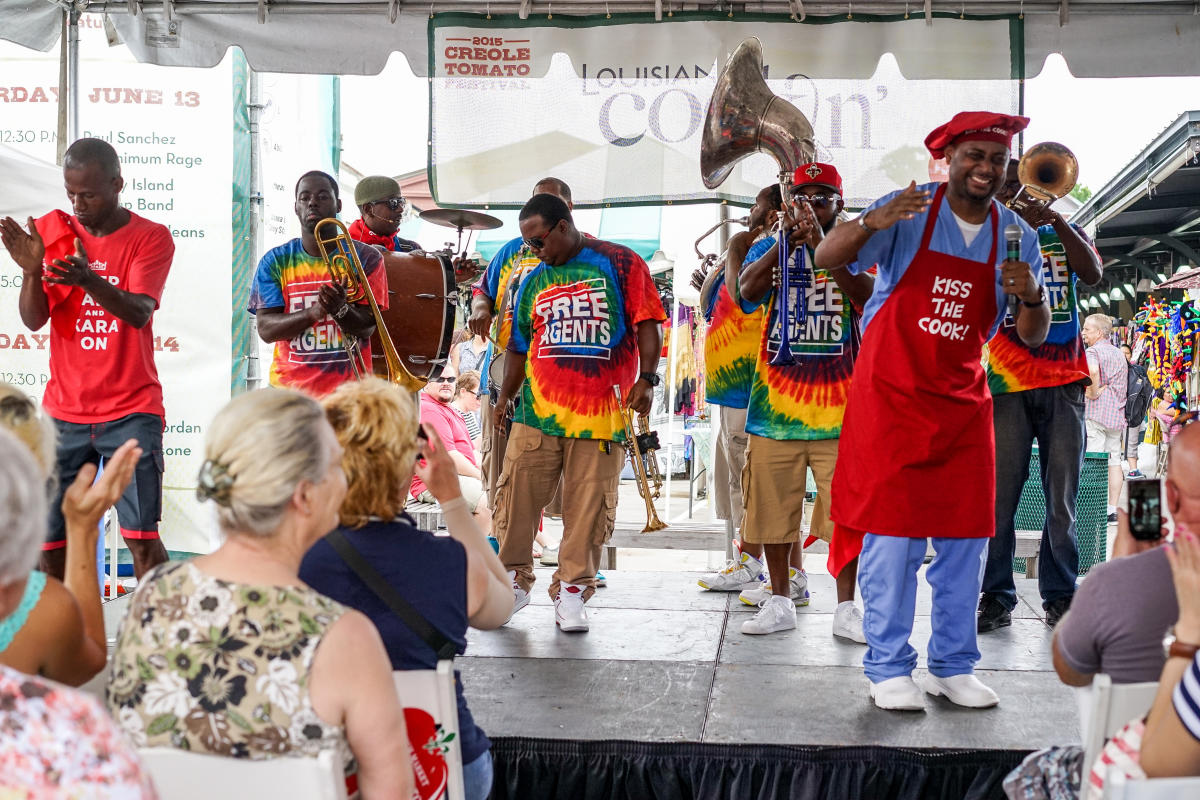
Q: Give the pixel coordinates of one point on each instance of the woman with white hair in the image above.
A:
(57, 628)
(54, 741)
(231, 653)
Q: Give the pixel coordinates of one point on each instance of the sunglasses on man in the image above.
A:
(393, 203)
(818, 200)
(443, 379)
(538, 242)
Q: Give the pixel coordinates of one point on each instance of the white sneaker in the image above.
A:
(520, 596)
(569, 613)
(744, 572)
(963, 690)
(797, 586)
(777, 613)
(848, 622)
(549, 557)
(898, 694)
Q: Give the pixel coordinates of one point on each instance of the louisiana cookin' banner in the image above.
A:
(615, 107)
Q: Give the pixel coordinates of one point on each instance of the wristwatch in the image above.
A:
(1041, 298)
(861, 219)
(651, 378)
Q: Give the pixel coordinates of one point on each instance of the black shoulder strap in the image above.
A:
(436, 640)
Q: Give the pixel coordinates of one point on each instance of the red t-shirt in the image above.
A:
(102, 368)
(450, 426)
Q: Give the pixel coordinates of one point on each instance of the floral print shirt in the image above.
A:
(214, 666)
(57, 742)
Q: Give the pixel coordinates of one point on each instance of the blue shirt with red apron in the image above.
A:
(917, 452)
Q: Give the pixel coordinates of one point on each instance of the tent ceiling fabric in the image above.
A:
(1098, 39)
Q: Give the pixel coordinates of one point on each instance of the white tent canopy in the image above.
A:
(1098, 39)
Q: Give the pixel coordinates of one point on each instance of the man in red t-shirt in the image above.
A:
(97, 277)
(437, 410)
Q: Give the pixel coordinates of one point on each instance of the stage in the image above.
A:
(666, 666)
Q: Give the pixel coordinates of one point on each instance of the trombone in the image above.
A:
(345, 268)
(644, 442)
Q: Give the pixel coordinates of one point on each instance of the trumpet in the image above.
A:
(649, 479)
(345, 268)
(1047, 171)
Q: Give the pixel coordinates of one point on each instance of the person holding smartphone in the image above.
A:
(1110, 628)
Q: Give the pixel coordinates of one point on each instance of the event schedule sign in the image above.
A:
(171, 128)
(512, 99)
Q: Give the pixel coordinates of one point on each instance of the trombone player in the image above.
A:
(303, 309)
(588, 317)
(1037, 394)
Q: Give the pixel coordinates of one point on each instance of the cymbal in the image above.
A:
(461, 219)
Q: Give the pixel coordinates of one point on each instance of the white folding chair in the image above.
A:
(183, 775)
(1119, 787)
(431, 714)
(1113, 705)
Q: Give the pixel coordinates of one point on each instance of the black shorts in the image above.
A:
(140, 507)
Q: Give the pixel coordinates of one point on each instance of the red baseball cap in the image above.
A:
(817, 174)
(975, 126)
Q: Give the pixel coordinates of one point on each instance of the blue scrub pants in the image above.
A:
(887, 578)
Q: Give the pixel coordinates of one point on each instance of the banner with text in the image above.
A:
(513, 101)
(171, 128)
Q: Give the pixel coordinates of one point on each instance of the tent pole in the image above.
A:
(253, 365)
(72, 74)
(670, 398)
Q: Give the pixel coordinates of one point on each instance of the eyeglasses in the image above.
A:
(818, 200)
(443, 379)
(393, 203)
(538, 242)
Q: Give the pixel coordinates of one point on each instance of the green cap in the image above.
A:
(374, 188)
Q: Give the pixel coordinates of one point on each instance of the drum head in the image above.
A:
(422, 299)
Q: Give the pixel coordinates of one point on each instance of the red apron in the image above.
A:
(917, 456)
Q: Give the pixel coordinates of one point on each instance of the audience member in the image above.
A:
(57, 627)
(467, 401)
(467, 351)
(231, 653)
(452, 581)
(438, 411)
(54, 741)
(1105, 401)
(1134, 433)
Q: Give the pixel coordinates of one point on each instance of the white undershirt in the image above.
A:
(969, 230)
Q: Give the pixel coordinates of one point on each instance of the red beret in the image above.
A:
(975, 126)
(817, 174)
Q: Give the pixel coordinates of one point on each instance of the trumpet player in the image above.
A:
(917, 455)
(303, 309)
(588, 317)
(794, 414)
(1037, 394)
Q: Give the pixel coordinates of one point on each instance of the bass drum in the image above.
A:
(422, 299)
(496, 371)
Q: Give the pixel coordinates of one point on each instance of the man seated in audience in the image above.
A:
(437, 409)
(451, 581)
(1128, 604)
(57, 627)
(231, 653)
(54, 741)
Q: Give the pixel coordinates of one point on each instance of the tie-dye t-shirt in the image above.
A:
(577, 325)
(731, 343)
(1013, 367)
(288, 278)
(806, 400)
(511, 260)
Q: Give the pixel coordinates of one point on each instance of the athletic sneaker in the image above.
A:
(601, 581)
(569, 613)
(549, 557)
(777, 613)
(797, 583)
(848, 622)
(744, 572)
(1135, 473)
(520, 596)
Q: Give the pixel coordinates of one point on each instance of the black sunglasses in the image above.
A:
(393, 203)
(817, 200)
(538, 242)
(443, 379)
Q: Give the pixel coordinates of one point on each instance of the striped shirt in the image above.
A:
(1187, 699)
(1109, 408)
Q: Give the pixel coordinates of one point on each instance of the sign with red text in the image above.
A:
(512, 101)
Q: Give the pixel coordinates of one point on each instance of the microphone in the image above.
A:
(1012, 241)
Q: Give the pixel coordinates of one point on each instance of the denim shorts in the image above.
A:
(140, 507)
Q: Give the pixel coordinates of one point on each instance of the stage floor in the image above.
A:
(667, 662)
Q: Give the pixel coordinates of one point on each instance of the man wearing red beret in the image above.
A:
(917, 454)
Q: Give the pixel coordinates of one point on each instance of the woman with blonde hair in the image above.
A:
(57, 627)
(452, 581)
(231, 653)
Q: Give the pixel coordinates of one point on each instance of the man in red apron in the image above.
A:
(917, 453)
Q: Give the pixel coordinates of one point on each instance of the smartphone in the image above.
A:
(1145, 508)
